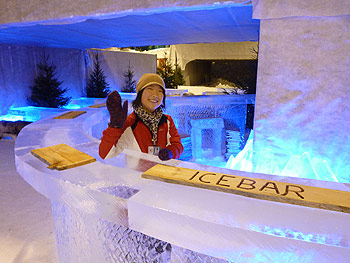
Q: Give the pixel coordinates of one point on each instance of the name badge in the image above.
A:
(153, 150)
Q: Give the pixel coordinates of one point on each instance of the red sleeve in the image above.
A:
(175, 146)
(111, 136)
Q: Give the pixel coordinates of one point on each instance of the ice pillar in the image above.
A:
(214, 124)
(303, 83)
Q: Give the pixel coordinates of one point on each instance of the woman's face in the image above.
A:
(152, 97)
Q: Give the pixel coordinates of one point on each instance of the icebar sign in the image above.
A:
(254, 187)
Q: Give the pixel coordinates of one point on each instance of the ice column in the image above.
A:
(217, 126)
(302, 94)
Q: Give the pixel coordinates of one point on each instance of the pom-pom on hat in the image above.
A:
(149, 79)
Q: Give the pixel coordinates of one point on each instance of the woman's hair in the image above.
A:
(137, 102)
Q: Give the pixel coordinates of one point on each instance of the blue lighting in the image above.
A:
(10, 117)
(72, 107)
(325, 239)
(301, 166)
(32, 114)
(83, 102)
(29, 113)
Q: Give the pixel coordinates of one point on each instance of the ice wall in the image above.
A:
(268, 9)
(303, 81)
(18, 70)
(231, 108)
(115, 64)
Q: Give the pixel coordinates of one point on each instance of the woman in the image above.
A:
(147, 129)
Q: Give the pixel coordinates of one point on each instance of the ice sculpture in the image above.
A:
(216, 125)
(232, 109)
(302, 166)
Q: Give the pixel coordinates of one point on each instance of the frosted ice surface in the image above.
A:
(236, 225)
(300, 166)
(231, 108)
(201, 141)
(82, 238)
(86, 238)
(119, 190)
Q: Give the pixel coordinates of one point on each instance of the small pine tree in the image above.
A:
(47, 90)
(165, 70)
(172, 77)
(129, 82)
(97, 86)
(178, 77)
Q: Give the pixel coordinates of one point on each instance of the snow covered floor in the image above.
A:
(26, 224)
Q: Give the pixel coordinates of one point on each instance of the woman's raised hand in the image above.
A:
(117, 112)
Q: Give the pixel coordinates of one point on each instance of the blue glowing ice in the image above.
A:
(302, 166)
(326, 239)
(31, 113)
(10, 117)
(213, 142)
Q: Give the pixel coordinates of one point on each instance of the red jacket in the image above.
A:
(135, 134)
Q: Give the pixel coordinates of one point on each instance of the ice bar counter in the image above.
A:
(105, 211)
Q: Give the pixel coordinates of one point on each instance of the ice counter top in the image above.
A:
(105, 211)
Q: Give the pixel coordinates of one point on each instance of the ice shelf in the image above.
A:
(105, 212)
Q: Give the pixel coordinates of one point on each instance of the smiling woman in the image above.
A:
(152, 97)
(147, 129)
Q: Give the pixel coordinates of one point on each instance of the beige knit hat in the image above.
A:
(149, 79)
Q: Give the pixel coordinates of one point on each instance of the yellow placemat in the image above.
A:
(70, 115)
(98, 105)
(62, 156)
(253, 187)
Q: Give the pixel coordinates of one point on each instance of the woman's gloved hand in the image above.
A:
(117, 113)
(165, 154)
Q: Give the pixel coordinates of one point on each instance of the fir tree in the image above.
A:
(47, 90)
(165, 70)
(97, 86)
(129, 82)
(178, 77)
(172, 77)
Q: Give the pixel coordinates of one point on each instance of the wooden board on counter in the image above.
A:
(253, 187)
(62, 156)
(98, 105)
(70, 115)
